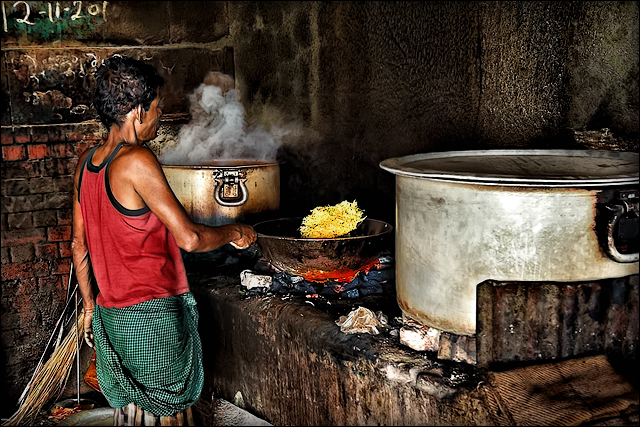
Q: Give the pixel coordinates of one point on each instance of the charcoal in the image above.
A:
(281, 283)
(284, 290)
(380, 275)
(276, 285)
(327, 291)
(284, 277)
(351, 285)
(372, 289)
(304, 287)
(312, 287)
(359, 280)
(353, 293)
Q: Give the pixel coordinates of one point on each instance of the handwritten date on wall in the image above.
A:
(47, 20)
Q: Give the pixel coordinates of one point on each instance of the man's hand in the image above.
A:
(247, 237)
(88, 332)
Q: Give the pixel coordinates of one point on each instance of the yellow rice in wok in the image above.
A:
(326, 222)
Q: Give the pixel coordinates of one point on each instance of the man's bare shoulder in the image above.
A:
(134, 158)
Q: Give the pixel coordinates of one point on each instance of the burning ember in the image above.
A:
(337, 276)
(376, 279)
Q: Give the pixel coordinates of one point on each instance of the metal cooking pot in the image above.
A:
(508, 215)
(319, 260)
(224, 192)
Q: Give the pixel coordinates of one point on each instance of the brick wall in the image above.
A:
(38, 163)
(48, 120)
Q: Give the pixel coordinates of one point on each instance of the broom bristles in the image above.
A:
(51, 379)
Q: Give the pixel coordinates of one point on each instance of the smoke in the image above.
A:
(218, 131)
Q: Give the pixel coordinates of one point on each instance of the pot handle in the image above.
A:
(230, 189)
(618, 210)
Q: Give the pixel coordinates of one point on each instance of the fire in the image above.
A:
(344, 276)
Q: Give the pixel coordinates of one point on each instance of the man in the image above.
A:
(128, 228)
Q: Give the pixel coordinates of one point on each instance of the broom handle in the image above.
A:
(67, 300)
(77, 353)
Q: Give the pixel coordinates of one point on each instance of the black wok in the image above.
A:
(319, 260)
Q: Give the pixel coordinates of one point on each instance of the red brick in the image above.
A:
(59, 233)
(40, 137)
(48, 282)
(27, 288)
(47, 251)
(64, 184)
(20, 220)
(93, 137)
(39, 151)
(23, 253)
(62, 150)
(53, 285)
(15, 187)
(75, 136)
(44, 218)
(41, 185)
(24, 169)
(58, 200)
(13, 152)
(61, 266)
(56, 133)
(65, 216)
(25, 270)
(65, 250)
(28, 203)
(81, 147)
(7, 139)
(56, 167)
(24, 138)
(5, 256)
(19, 237)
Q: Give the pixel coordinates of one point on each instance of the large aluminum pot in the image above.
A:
(507, 215)
(225, 192)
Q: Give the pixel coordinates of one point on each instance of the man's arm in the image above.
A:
(147, 178)
(81, 260)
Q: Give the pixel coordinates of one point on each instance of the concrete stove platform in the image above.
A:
(291, 365)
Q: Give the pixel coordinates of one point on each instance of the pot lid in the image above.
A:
(546, 168)
(221, 164)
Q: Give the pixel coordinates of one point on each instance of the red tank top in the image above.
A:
(134, 256)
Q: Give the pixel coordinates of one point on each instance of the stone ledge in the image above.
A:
(292, 365)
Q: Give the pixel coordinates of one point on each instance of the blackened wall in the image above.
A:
(374, 80)
(352, 83)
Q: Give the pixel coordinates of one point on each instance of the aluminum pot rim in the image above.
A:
(248, 164)
(398, 166)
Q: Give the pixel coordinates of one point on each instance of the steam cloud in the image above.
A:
(218, 131)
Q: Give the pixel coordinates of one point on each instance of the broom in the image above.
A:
(50, 380)
(62, 325)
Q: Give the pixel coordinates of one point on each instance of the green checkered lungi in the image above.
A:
(150, 354)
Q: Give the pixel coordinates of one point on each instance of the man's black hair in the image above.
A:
(123, 83)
